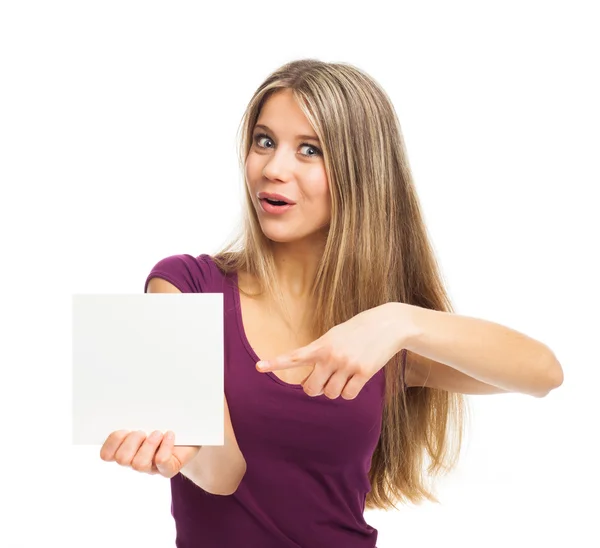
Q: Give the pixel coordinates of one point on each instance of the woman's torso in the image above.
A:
(308, 458)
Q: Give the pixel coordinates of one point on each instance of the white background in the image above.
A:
(117, 148)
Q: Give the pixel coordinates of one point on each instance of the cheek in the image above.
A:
(252, 166)
(322, 191)
(319, 186)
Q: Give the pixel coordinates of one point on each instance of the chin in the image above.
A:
(281, 238)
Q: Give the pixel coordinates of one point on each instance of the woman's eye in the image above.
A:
(315, 149)
(259, 136)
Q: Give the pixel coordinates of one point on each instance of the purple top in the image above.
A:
(308, 458)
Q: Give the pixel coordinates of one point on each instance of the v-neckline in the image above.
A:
(246, 342)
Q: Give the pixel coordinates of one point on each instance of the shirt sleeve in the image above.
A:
(187, 273)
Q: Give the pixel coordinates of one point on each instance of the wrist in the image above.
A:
(406, 325)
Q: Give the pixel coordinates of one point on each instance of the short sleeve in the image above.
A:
(187, 273)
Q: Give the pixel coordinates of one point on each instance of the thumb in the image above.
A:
(166, 463)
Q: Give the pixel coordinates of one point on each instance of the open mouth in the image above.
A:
(274, 207)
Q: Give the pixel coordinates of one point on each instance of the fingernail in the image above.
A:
(155, 435)
(262, 365)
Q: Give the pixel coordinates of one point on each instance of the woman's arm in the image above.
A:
(218, 469)
(489, 352)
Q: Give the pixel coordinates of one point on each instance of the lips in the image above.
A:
(275, 197)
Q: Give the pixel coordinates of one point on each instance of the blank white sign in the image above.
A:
(148, 362)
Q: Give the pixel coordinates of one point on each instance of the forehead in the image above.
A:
(282, 114)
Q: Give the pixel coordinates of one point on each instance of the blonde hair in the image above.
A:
(377, 250)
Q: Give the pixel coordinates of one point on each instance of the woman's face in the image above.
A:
(280, 161)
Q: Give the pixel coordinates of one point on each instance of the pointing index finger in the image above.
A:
(287, 361)
(281, 362)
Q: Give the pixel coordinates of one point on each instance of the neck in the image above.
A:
(296, 264)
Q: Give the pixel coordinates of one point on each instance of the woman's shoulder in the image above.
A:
(188, 273)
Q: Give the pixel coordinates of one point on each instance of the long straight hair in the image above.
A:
(377, 250)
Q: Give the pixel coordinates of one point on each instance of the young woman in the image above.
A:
(334, 283)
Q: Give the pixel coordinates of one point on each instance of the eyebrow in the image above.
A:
(313, 137)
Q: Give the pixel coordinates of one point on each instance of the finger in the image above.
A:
(112, 443)
(313, 385)
(336, 383)
(165, 461)
(353, 387)
(129, 447)
(143, 460)
(301, 356)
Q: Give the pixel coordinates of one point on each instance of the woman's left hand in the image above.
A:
(348, 355)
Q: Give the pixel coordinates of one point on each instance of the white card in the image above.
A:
(151, 361)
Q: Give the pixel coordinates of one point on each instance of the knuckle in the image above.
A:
(347, 395)
(363, 372)
(137, 466)
(161, 460)
(310, 391)
(160, 453)
(339, 358)
(140, 466)
(111, 444)
(336, 356)
(326, 352)
(353, 365)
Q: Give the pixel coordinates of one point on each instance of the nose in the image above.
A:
(279, 166)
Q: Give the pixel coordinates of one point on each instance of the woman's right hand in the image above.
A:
(155, 454)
